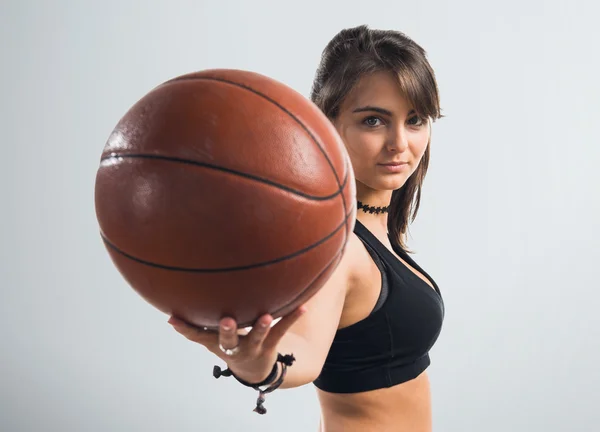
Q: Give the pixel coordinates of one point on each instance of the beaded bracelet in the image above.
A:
(285, 360)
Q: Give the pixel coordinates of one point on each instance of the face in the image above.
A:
(384, 136)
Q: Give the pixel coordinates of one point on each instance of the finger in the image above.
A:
(242, 332)
(278, 330)
(259, 331)
(228, 337)
(193, 333)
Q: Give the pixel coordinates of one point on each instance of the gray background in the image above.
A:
(508, 224)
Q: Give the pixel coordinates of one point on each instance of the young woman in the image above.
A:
(364, 338)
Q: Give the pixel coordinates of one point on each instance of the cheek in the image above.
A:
(419, 144)
(362, 148)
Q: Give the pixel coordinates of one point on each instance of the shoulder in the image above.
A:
(356, 262)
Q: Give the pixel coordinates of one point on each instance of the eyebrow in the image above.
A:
(374, 109)
(378, 110)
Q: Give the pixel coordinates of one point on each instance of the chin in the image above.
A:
(388, 183)
(392, 182)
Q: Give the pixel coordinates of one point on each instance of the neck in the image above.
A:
(372, 209)
(373, 216)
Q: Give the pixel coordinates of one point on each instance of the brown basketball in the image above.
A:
(225, 193)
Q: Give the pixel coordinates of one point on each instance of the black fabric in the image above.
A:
(384, 283)
(392, 344)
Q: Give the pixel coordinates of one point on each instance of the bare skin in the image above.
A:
(378, 126)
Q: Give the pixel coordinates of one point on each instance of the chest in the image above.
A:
(411, 286)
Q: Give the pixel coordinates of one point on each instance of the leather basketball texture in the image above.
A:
(225, 193)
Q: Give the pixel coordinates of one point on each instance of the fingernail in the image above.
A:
(226, 327)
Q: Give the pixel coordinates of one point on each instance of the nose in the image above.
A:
(397, 140)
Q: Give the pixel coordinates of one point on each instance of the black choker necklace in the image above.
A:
(370, 209)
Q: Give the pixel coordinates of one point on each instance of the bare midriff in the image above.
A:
(405, 407)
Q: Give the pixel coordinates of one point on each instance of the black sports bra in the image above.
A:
(392, 344)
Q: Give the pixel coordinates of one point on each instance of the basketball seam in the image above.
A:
(284, 109)
(227, 269)
(335, 259)
(229, 171)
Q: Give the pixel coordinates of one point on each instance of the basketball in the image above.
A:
(225, 193)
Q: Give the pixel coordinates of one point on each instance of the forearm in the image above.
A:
(305, 368)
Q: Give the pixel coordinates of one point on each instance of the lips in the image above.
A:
(394, 163)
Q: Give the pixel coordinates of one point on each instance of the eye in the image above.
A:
(372, 121)
(416, 121)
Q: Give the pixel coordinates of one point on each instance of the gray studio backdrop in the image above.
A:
(508, 224)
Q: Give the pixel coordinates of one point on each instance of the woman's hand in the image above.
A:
(254, 353)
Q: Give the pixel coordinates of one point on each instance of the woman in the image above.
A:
(364, 338)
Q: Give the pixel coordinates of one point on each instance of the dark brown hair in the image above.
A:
(356, 52)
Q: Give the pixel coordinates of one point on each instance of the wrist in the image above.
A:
(254, 380)
(274, 380)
